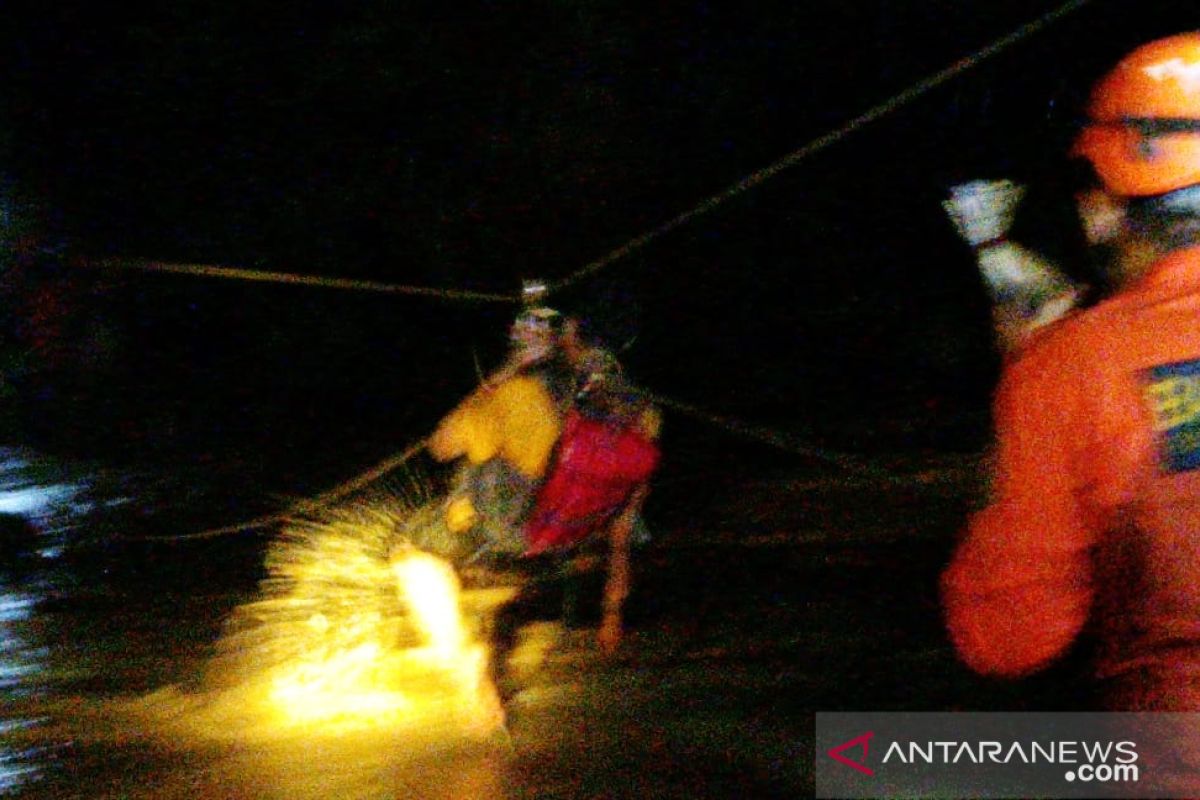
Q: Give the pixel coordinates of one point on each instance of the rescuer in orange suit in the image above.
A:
(1094, 523)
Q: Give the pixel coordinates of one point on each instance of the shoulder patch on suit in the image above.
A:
(1173, 394)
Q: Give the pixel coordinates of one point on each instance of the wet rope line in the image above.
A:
(752, 180)
(783, 441)
(816, 145)
(264, 276)
(307, 505)
(770, 436)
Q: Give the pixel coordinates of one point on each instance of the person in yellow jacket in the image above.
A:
(506, 431)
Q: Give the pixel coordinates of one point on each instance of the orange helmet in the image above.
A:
(1143, 135)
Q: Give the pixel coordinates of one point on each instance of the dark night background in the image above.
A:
(466, 146)
(469, 145)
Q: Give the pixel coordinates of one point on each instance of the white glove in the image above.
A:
(1027, 290)
(983, 211)
(1013, 271)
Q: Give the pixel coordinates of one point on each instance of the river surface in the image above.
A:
(296, 662)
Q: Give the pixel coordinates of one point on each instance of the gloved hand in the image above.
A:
(1027, 291)
(983, 211)
(460, 514)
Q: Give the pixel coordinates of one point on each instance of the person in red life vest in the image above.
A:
(606, 455)
(1094, 525)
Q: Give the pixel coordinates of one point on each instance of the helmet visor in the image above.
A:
(1133, 160)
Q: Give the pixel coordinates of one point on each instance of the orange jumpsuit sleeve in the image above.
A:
(1018, 589)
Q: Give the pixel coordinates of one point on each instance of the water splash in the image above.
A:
(19, 659)
(357, 629)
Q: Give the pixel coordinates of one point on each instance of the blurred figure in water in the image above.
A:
(558, 449)
(505, 433)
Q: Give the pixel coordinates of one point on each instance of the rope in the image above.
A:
(816, 145)
(234, 273)
(775, 438)
(780, 440)
(371, 475)
(766, 435)
(309, 505)
(750, 181)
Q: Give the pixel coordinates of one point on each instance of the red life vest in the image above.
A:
(599, 464)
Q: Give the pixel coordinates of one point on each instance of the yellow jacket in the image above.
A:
(516, 420)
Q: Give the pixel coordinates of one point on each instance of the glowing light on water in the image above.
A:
(33, 501)
(25, 489)
(357, 629)
(342, 685)
(376, 681)
(431, 590)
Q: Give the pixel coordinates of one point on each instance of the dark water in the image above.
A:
(760, 601)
